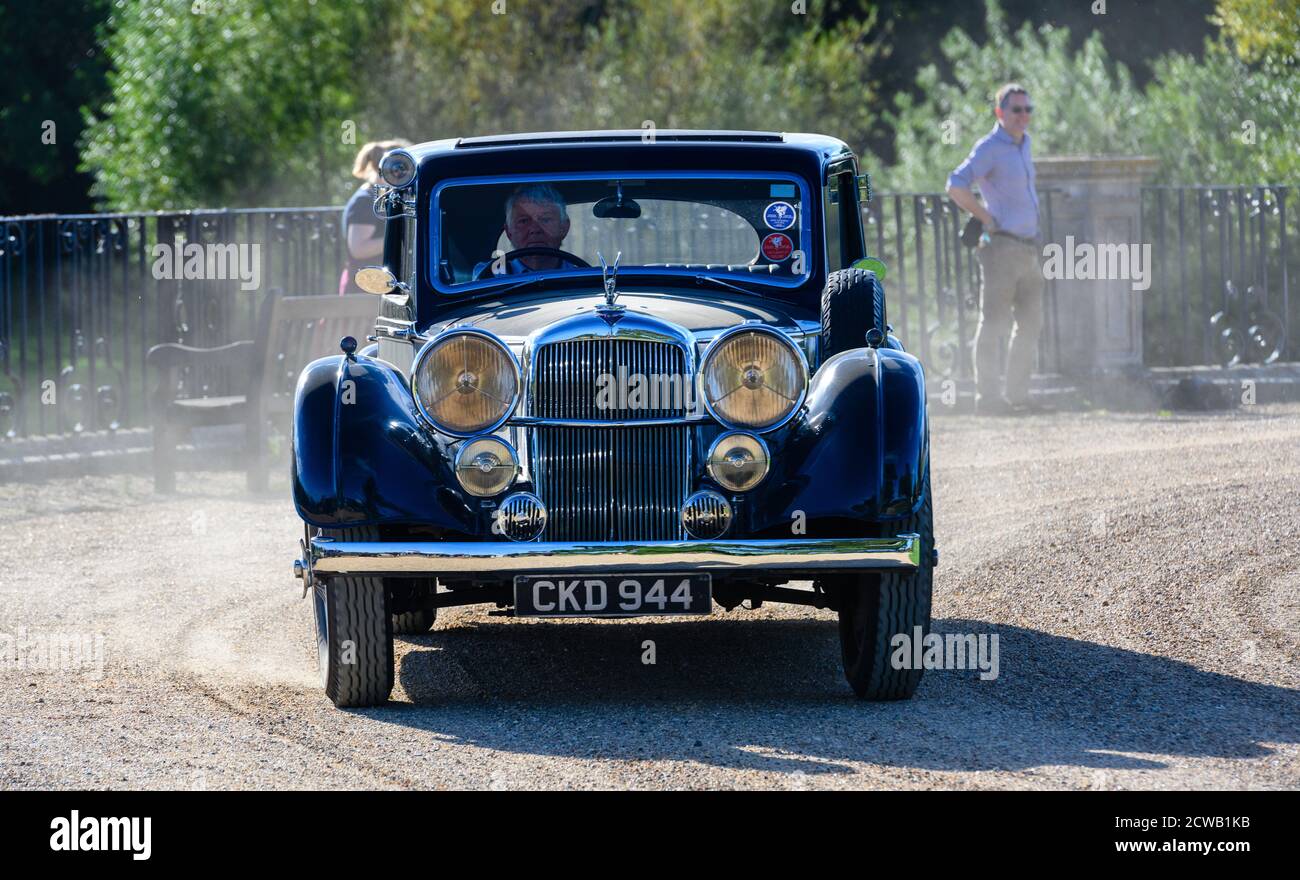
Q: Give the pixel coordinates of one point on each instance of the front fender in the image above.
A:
(360, 455)
(860, 449)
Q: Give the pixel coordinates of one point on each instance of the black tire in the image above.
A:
(852, 303)
(414, 623)
(354, 635)
(407, 597)
(874, 608)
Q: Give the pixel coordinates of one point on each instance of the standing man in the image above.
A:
(1011, 277)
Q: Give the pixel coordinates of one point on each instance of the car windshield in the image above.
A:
(748, 226)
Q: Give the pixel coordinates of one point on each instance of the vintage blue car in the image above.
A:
(617, 373)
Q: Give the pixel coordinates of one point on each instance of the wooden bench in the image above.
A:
(291, 333)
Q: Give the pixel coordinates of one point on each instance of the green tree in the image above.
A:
(453, 70)
(1221, 120)
(1261, 28)
(241, 101)
(765, 70)
(225, 102)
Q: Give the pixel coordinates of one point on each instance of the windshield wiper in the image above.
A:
(700, 279)
(536, 278)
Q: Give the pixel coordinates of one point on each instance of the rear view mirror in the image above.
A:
(609, 207)
(617, 207)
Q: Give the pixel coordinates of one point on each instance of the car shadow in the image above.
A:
(769, 695)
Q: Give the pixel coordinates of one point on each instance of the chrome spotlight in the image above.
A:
(522, 517)
(397, 168)
(706, 515)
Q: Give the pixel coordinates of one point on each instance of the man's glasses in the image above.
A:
(1028, 108)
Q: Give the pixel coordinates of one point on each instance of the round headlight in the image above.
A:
(486, 466)
(397, 168)
(754, 378)
(465, 382)
(738, 461)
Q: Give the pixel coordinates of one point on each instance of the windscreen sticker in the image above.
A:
(779, 215)
(782, 190)
(777, 247)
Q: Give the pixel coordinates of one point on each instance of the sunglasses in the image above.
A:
(1028, 108)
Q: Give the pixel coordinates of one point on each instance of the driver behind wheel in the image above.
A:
(536, 217)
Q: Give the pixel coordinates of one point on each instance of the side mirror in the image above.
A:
(377, 280)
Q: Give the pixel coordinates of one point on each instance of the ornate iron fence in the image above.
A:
(1221, 289)
(81, 304)
(933, 281)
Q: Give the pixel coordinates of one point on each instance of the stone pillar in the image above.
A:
(1097, 201)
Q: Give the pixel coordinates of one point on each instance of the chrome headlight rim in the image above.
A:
(750, 434)
(782, 337)
(465, 447)
(428, 348)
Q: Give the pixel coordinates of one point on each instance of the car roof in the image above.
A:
(824, 148)
(620, 135)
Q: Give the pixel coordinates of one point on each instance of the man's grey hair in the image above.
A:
(537, 192)
(1000, 100)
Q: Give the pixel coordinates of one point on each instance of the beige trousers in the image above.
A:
(1011, 291)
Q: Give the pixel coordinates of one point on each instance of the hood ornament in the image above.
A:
(609, 274)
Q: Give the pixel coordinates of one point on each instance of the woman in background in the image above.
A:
(362, 230)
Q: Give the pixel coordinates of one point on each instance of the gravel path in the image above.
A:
(1142, 575)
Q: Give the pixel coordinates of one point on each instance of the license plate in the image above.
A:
(540, 595)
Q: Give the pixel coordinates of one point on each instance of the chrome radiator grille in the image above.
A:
(616, 483)
(566, 379)
(612, 484)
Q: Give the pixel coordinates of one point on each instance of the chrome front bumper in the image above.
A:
(326, 557)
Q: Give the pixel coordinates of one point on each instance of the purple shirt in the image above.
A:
(1004, 171)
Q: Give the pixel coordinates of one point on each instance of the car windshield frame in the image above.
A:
(805, 226)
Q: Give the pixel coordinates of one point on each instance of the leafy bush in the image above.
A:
(1261, 28)
(217, 102)
(249, 102)
(1082, 102)
(1221, 120)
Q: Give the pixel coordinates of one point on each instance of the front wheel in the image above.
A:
(878, 610)
(354, 642)
(354, 638)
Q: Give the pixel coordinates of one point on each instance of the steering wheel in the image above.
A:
(533, 252)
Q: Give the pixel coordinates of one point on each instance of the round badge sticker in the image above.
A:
(779, 215)
(777, 247)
